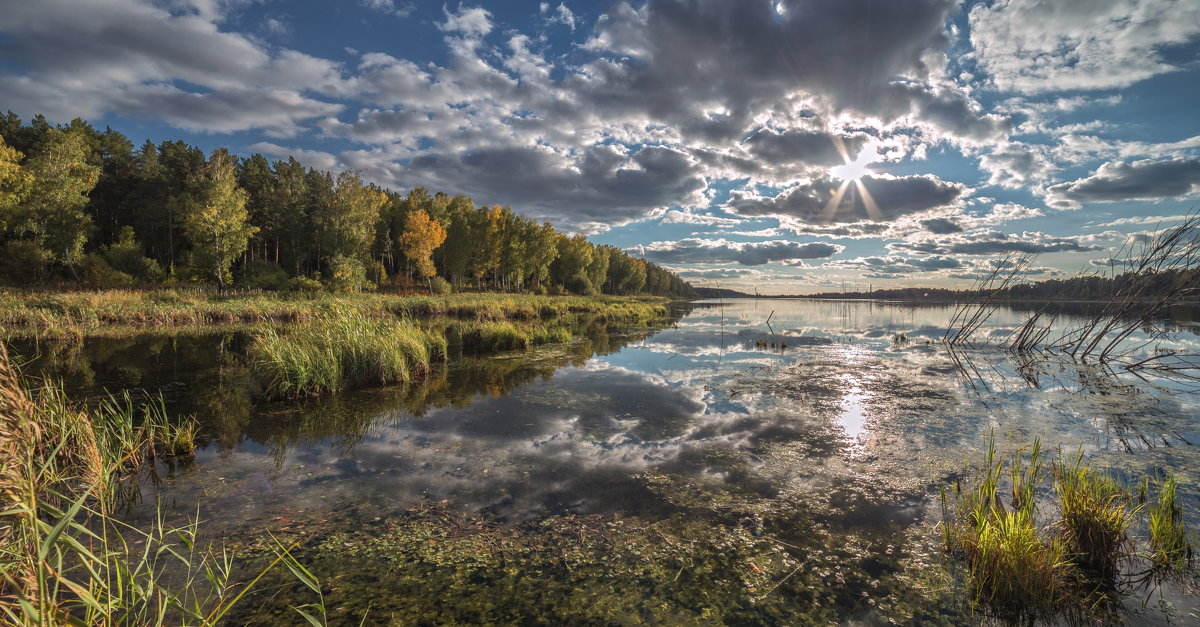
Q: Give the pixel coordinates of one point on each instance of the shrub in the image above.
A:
(581, 284)
(347, 274)
(440, 286)
(125, 255)
(264, 275)
(96, 273)
(24, 263)
(305, 284)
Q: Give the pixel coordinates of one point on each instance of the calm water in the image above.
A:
(787, 453)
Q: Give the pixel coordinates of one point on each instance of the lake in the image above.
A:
(756, 461)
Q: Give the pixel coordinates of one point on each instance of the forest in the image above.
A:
(82, 207)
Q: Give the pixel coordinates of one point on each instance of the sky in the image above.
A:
(783, 146)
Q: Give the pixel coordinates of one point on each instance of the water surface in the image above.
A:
(759, 461)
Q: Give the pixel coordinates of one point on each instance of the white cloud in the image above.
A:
(1115, 181)
(1034, 46)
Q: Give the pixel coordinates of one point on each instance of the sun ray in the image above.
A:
(835, 201)
(873, 211)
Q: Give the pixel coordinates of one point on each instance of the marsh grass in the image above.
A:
(551, 335)
(65, 559)
(1022, 566)
(1014, 570)
(1096, 514)
(340, 351)
(1170, 547)
(490, 337)
(49, 313)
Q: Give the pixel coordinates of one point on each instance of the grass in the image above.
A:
(340, 351)
(1020, 568)
(65, 559)
(1169, 545)
(1014, 571)
(490, 337)
(347, 347)
(1096, 514)
(85, 312)
(551, 335)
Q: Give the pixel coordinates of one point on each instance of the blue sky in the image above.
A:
(710, 136)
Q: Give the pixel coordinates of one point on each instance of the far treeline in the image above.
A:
(83, 206)
(1080, 288)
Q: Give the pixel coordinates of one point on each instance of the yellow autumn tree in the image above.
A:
(421, 237)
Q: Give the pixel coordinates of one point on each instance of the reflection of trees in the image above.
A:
(348, 417)
(206, 376)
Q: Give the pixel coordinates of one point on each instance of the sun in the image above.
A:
(853, 170)
(849, 171)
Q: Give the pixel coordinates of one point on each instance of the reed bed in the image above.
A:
(76, 312)
(340, 351)
(1022, 569)
(490, 337)
(347, 347)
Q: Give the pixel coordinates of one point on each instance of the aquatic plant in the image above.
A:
(494, 336)
(68, 313)
(1023, 569)
(1013, 570)
(1169, 545)
(341, 350)
(551, 335)
(1096, 514)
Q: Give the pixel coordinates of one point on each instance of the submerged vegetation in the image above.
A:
(1022, 567)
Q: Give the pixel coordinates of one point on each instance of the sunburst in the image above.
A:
(851, 172)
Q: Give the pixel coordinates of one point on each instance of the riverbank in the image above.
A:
(50, 314)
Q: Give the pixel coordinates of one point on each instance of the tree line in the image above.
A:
(85, 206)
(1089, 287)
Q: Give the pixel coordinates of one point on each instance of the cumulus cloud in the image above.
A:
(993, 242)
(694, 250)
(1033, 46)
(886, 198)
(1139, 180)
(1015, 165)
(894, 266)
(601, 185)
(123, 55)
(941, 226)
